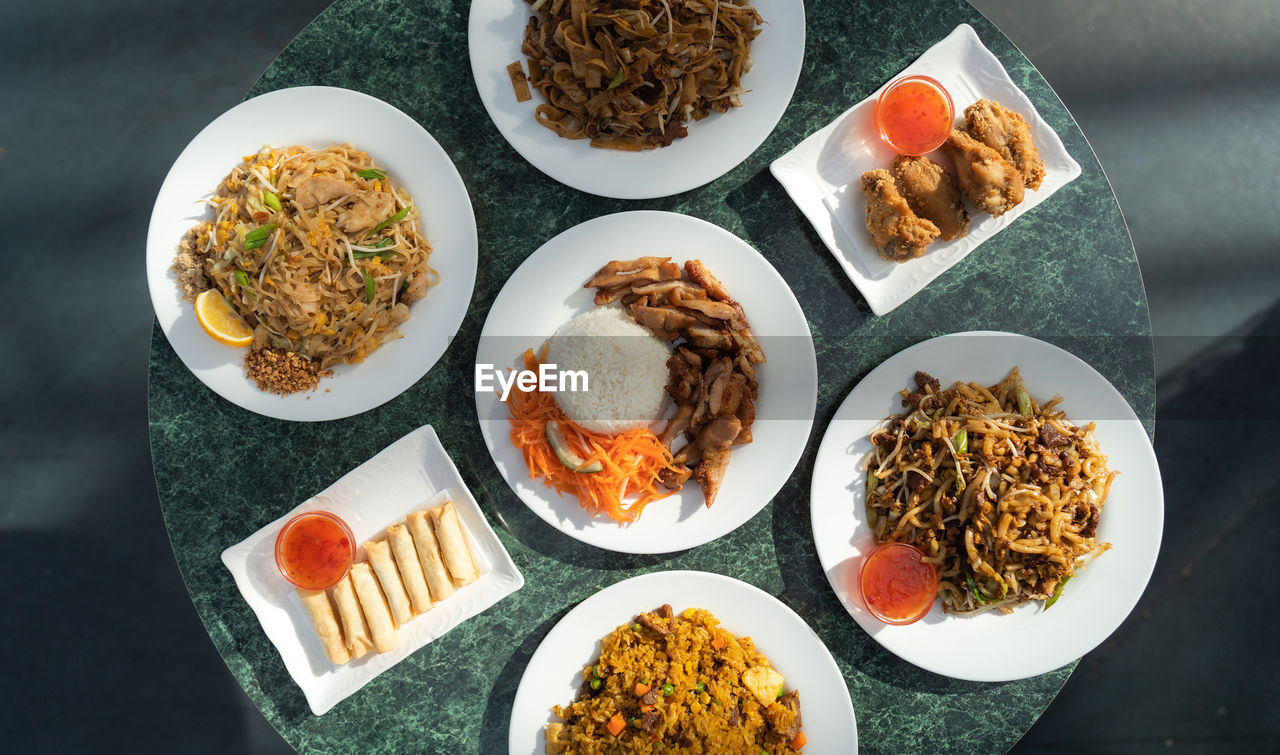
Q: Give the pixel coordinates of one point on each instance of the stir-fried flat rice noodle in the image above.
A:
(317, 249)
(1002, 494)
(631, 74)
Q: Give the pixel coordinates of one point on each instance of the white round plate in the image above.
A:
(1031, 640)
(546, 290)
(319, 116)
(554, 673)
(714, 146)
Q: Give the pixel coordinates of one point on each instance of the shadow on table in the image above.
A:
(497, 713)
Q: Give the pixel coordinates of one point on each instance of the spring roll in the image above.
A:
(453, 544)
(374, 606)
(317, 604)
(429, 556)
(392, 587)
(354, 629)
(410, 567)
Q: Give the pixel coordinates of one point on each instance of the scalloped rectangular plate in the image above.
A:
(371, 497)
(819, 173)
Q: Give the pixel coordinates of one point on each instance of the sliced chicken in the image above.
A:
(699, 274)
(369, 210)
(315, 191)
(645, 269)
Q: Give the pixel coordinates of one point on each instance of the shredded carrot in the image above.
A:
(616, 724)
(632, 459)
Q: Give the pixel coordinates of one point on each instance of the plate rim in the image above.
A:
(583, 535)
(583, 607)
(828, 562)
(159, 251)
(549, 167)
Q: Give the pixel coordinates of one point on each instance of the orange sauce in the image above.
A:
(314, 550)
(914, 115)
(896, 586)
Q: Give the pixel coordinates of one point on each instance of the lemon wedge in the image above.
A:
(220, 321)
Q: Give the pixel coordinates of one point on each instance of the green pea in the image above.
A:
(701, 687)
(595, 684)
(668, 690)
(635, 627)
(597, 672)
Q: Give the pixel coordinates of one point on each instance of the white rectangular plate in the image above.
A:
(371, 497)
(820, 172)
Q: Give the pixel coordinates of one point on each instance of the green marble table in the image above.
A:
(1065, 272)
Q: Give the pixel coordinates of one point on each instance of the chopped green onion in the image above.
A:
(872, 482)
(644, 680)
(595, 684)
(1024, 402)
(973, 588)
(271, 200)
(634, 720)
(379, 255)
(668, 690)
(618, 78)
(372, 173)
(404, 287)
(388, 241)
(596, 671)
(396, 218)
(701, 687)
(779, 697)
(368, 286)
(258, 236)
(961, 441)
(1057, 593)
(243, 278)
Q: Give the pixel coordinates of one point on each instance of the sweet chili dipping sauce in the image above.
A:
(896, 587)
(315, 550)
(914, 115)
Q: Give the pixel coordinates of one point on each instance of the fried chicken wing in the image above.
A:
(992, 183)
(1007, 133)
(896, 231)
(932, 194)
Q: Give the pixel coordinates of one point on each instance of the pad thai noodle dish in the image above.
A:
(318, 255)
(1001, 493)
(632, 74)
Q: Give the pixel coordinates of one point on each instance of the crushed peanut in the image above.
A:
(283, 372)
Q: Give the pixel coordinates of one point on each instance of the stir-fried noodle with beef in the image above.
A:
(1001, 493)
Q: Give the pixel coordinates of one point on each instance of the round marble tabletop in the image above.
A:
(1065, 273)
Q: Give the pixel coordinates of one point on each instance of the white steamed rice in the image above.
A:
(626, 367)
